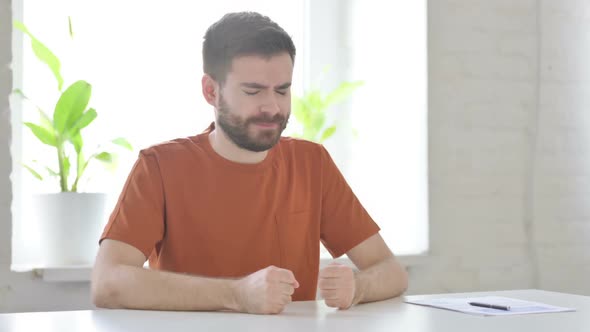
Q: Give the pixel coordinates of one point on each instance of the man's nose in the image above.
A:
(270, 105)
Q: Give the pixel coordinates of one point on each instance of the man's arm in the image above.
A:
(120, 281)
(380, 276)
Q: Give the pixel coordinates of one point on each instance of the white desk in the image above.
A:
(392, 316)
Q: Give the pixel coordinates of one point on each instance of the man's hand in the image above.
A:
(266, 291)
(337, 286)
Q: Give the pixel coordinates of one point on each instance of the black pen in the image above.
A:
(491, 306)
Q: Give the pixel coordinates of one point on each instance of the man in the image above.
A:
(231, 219)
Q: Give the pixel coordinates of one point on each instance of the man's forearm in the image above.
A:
(133, 287)
(381, 281)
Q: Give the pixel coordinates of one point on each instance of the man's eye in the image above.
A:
(251, 93)
(281, 92)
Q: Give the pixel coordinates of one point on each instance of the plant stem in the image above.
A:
(79, 160)
(63, 177)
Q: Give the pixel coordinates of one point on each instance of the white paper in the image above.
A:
(517, 307)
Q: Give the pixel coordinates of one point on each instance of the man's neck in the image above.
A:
(230, 151)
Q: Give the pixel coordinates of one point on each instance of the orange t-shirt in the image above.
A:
(191, 211)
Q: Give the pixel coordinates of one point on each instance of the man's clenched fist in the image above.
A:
(337, 285)
(266, 291)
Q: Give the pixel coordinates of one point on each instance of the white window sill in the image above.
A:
(77, 273)
(82, 273)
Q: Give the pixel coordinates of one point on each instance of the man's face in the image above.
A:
(255, 101)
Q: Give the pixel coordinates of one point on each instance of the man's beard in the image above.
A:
(236, 128)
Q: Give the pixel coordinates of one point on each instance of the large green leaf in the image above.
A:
(43, 53)
(84, 120)
(70, 106)
(43, 134)
(123, 143)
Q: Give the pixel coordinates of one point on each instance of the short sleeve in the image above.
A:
(138, 218)
(344, 221)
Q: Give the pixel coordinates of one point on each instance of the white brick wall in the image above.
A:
(482, 99)
(509, 127)
(509, 146)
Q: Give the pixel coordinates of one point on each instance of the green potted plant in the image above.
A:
(69, 220)
(310, 110)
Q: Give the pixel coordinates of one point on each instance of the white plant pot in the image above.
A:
(70, 225)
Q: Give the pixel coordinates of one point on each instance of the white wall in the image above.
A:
(509, 146)
(482, 99)
(508, 153)
(562, 160)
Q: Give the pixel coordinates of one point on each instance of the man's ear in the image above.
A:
(210, 89)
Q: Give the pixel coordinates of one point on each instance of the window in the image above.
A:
(143, 59)
(388, 164)
(383, 44)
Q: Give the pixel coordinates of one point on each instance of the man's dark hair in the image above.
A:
(240, 34)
